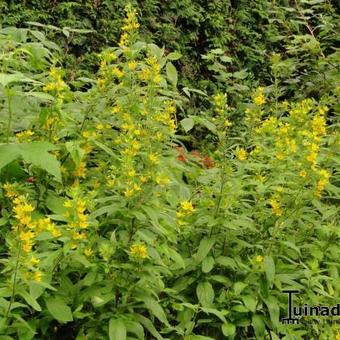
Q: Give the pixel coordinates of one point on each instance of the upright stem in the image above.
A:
(14, 281)
(9, 115)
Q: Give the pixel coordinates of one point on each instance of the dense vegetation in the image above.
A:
(168, 168)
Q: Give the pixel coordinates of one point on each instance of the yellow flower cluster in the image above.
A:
(167, 117)
(258, 97)
(220, 101)
(151, 72)
(241, 154)
(28, 231)
(139, 251)
(24, 136)
(80, 170)
(10, 190)
(45, 224)
(162, 179)
(300, 111)
(186, 208)
(77, 220)
(130, 25)
(322, 182)
(58, 86)
(276, 206)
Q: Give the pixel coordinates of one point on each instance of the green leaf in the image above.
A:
(259, 326)
(210, 126)
(55, 203)
(156, 51)
(149, 326)
(188, 124)
(106, 149)
(205, 293)
(41, 95)
(37, 154)
(76, 152)
(171, 73)
(269, 267)
(216, 312)
(8, 154)
(226, 262)
(155, 309)
(250, 302)
(177, 257)
(228, 329)
(117, 329)
(174, 56)
(6, 79)
(197, 337)
(30, 300)
(135, 328)
(204, 249)
(59, 310)
(274, 310)
(240, 74)
(208, 264)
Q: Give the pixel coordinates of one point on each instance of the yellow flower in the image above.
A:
(227, 123)
(37, 276)
(303, 173)
(132, 65)
(180, 214)
(312, 157)
(139, 250)
(319, 125)
(88, 252)
(128, 192)
(34, 261)
(241, 154)
(276, 207)
(187, 206)
(162, 180)
(55, 232)
(111, 182)
(117, 72)
(144, 179)
(324, 173)
(68, 204)
(24, 135)
(78, 236)
(10, 190)
(259, 98)
(80, 171)
(131, 173)
(279, 156)
(153, 159)
(157, 78)
(259, 259)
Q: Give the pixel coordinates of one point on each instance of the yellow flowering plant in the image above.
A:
(118, 221)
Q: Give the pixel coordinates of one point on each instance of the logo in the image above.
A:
(296, 313)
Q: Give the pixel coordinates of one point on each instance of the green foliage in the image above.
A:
(133, 210)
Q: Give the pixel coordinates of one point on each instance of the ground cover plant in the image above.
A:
(138, 204)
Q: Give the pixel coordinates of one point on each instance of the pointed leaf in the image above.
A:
(205, 293)
(117, 329)
(171, 73)
(59, 310)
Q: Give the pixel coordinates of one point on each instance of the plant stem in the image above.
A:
(10, 115)
(14, 281)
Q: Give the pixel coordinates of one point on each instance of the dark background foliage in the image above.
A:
(248, 31)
